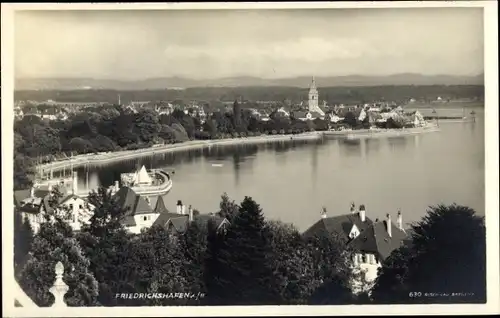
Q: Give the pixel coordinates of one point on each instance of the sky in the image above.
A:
(202, 44)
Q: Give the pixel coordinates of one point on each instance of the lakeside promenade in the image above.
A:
(101, 158)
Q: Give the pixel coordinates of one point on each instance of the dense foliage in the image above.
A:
(445, 263)
(256, 261)
(112, 128)
(216, 95)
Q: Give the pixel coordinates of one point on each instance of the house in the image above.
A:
(260, 114)
(163, 109)
(18, 113)
(375, 244)
(34, 203)
(79, 210)
(178, 222)
(346, 227)
(31, 206)
(139, 214)
(130, 109)
(417, 119)
(373, 241)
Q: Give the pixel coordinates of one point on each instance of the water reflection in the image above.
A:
(351, 148)
(314, 164)
(372, 146)
(397, 143)
(236, 167)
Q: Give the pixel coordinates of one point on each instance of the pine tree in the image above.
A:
(109, 248)
(238, 263)
(228, 208)
(55, 242)
(194, 245)
(447, 254)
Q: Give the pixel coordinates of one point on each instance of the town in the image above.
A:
(291, 158)
(49, 198)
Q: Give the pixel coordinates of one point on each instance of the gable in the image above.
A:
(354, 232)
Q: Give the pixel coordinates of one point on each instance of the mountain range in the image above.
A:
(243, 81)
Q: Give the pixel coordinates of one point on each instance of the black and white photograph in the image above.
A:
(290, 155)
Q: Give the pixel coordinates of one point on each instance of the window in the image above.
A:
(145, 218)
(71, 206)
(365, 258)
(81, 206)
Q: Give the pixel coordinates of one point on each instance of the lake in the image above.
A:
(292, 181)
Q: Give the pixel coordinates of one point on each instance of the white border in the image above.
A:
(491, 172)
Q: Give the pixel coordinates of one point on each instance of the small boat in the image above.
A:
(217, 164)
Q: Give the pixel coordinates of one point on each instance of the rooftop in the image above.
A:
(375, 239)
(341, 225)
(133, 203)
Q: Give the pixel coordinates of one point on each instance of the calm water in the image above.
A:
(292, 181)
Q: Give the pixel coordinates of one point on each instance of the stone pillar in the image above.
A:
(59, 289)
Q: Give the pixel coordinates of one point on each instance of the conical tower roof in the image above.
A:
(160, 206)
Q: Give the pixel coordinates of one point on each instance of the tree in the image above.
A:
(23, 171)
(157, 265)
(350, 119)
(210, 127)
(333, 270)
(228, 208)
(194, 245)
(438, 260)
(23, 238)
(108, 214)
(239, 272)
(55, 242)
(293, 270)
(80, 145)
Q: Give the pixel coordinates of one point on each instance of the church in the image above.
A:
(314, 110)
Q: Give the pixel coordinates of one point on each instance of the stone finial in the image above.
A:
(59, 289)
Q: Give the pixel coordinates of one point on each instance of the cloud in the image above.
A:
(306, 49)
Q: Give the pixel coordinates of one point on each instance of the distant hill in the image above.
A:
(243, 81)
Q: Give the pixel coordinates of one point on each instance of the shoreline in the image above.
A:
(85, 159)
(100, 158)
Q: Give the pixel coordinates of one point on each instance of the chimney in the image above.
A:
(353, 207)
(323, 213)
(400, 220)
(75, 183)
(190, 213)
(179, 207)
(389, 225)
(32, 192)
(362, 212)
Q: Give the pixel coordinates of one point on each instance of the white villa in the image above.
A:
(374, 240)
(33, 204)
